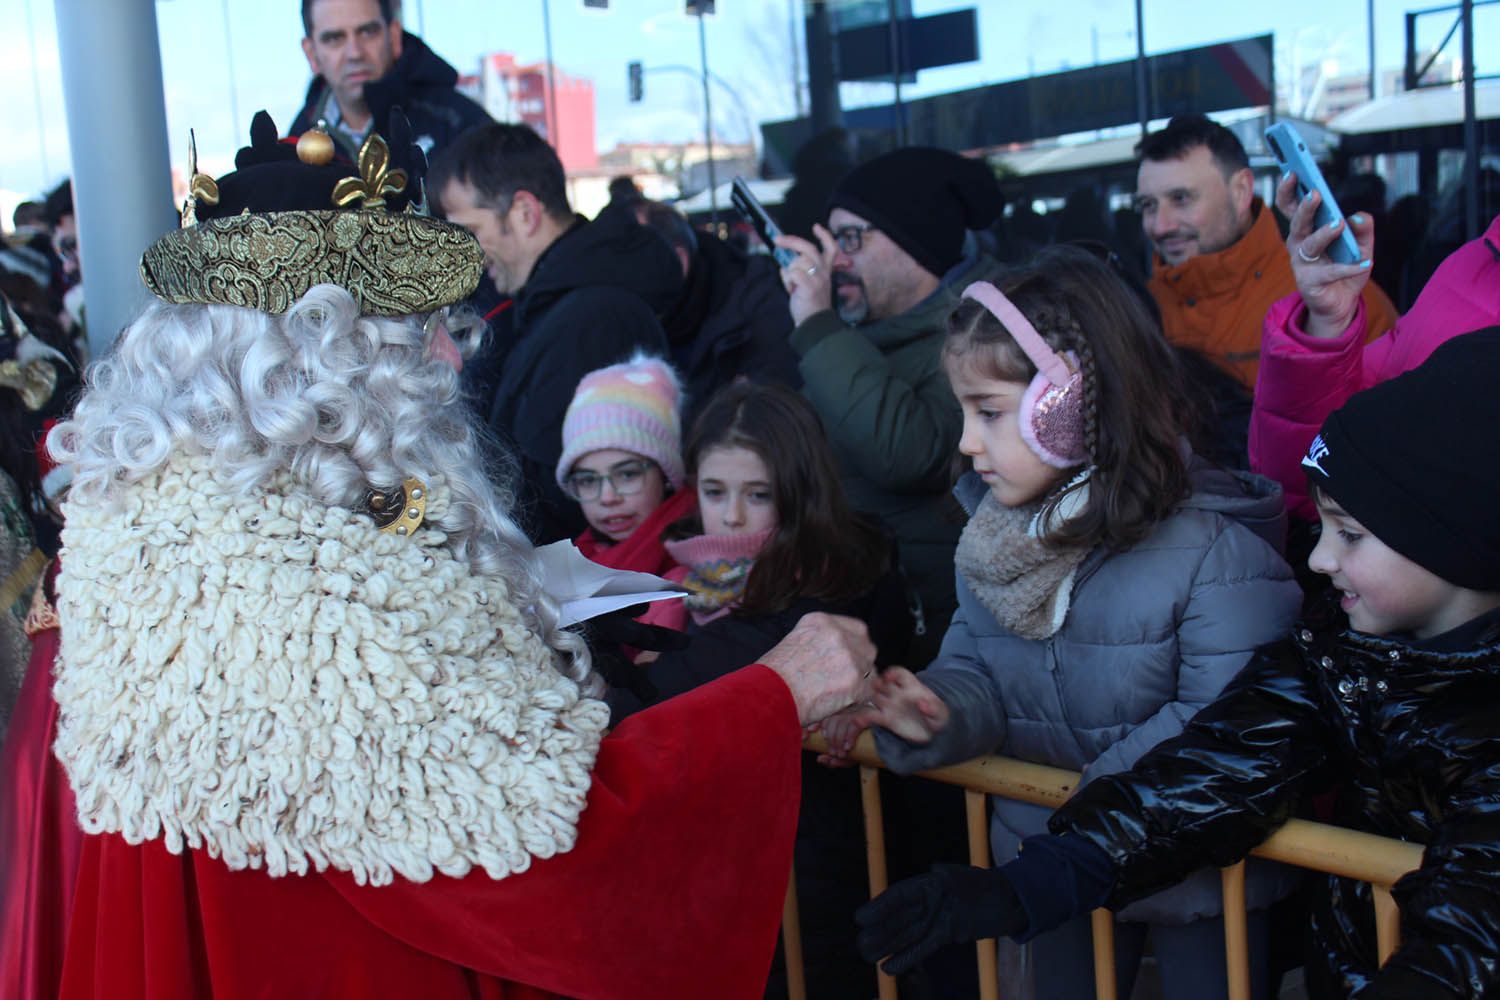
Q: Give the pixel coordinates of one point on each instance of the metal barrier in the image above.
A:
(1318, 847)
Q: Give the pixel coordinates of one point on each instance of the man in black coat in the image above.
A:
(586, 295)
(364, 65)
(730, 321)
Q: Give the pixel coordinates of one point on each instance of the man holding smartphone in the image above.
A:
(870, 301)
(1220, 261)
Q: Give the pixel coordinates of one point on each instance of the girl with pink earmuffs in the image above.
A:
(1110, 583)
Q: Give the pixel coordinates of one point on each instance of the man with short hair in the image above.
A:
(1220, 261)
(586, 295)
(364, 64)
(871, 303)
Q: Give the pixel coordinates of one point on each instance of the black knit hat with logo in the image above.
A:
(924, 199)
(1416, 460)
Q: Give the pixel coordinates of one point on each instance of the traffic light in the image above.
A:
(637, 76)
(696, 8)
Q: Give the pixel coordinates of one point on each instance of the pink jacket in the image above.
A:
(1303, 380)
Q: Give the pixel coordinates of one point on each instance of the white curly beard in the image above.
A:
(276, 681)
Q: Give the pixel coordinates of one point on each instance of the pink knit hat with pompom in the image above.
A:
(627, 407)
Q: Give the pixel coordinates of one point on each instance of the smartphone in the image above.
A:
(1291, 152)
(755, 213)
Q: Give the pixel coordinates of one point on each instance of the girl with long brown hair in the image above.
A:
(773, 539)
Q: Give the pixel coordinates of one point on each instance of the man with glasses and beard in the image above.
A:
(870, 301)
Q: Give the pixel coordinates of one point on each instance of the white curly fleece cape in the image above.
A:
(277, 682)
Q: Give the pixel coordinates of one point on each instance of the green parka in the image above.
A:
(894, 423)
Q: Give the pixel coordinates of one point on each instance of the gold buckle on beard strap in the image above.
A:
(399, 511)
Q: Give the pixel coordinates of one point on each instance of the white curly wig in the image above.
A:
(344, 403)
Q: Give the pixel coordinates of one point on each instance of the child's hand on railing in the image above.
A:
(841, 730)
(906, 706)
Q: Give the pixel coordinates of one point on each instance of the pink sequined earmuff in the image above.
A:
(1051, 414)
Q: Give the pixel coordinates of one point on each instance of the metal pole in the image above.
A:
(791, 11)
(552, 136)
(1370, 21)
(1142, 104)
(1471, 128)
(117, 128)
(894, 23)
(822, 70)
(36, 90)
(235, 124)
(708, 125)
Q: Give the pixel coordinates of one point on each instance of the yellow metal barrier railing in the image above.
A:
(1318, 847)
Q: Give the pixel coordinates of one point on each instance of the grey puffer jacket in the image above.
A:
(1153, 634)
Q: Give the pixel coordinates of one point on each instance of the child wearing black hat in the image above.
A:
(1389, 697)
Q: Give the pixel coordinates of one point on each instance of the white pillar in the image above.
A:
(117, 132)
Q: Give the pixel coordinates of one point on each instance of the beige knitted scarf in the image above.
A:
(276, 682)
(1026, 584)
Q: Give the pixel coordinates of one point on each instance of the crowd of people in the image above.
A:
(288, 707)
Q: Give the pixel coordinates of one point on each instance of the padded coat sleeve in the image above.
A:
(1210, 795)
(976, 710)
(1302, 380)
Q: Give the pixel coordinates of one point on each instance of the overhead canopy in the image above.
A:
(770, 192)
(1068, 158)
(1417, 109)
(1429, 118)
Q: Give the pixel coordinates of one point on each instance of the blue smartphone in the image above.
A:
(1291, 152)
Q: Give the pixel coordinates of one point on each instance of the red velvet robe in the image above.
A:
(674, 888)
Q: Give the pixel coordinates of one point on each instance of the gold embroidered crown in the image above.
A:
(282, 223)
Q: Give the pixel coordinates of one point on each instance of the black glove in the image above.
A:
(620, 628)
(608, 633)
(950, 904)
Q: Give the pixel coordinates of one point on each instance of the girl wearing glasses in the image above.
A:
(622, 462)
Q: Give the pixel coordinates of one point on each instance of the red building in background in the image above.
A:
(514, 93)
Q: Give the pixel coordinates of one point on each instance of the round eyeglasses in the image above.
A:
(851, 238)
(626, 479)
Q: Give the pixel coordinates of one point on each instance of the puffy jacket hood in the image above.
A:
(613, 251)
(1254, 501)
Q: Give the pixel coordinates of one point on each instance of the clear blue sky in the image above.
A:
(749, 46)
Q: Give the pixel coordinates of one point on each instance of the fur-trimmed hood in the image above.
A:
(277, 682)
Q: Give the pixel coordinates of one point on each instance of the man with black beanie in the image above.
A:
(870, 301)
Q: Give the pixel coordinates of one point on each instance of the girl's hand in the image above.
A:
(809, 278)
(907, 707)
(841, 730)
(1331, 291)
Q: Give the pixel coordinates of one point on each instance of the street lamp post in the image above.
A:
(708, 117)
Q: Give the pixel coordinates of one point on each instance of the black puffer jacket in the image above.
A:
(1408, 734)
(592, 300)
(420, 84)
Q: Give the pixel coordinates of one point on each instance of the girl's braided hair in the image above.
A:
(1135, 410)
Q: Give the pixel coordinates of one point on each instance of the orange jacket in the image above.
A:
(1216, 303)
